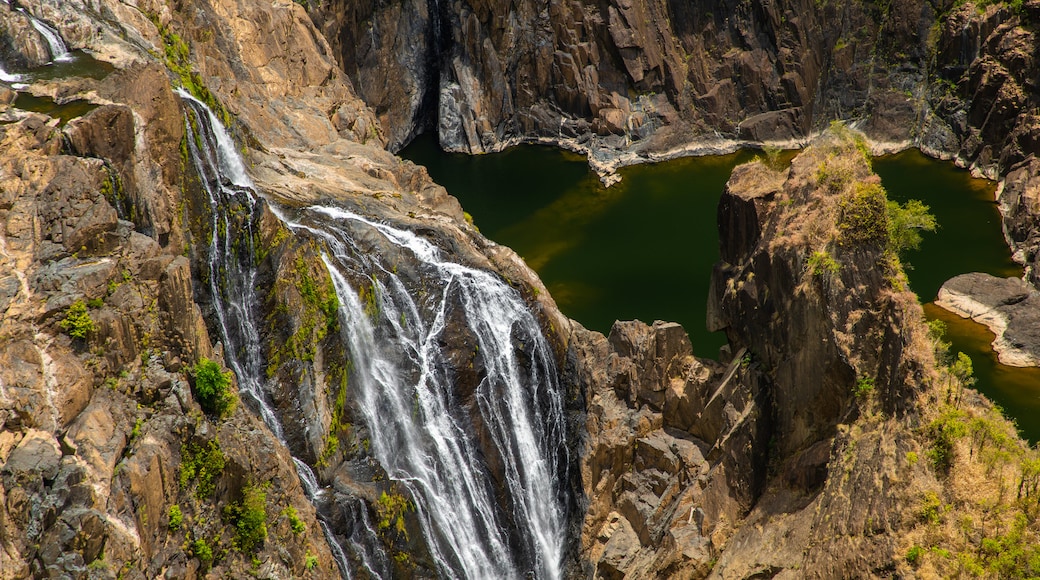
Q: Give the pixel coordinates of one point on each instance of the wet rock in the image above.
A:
(1009, 307)
(21, 46)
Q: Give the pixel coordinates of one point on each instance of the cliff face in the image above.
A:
(831, 426)
(642, 76)
(98, 418)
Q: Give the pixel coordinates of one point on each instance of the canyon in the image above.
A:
(413, 403)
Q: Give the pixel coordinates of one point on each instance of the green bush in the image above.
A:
(295, 523)
(213, 388)
(201, 550)
(913, 555)
(391, 509)
(202, 464)
(945, 432)
(821, 263)
(864, 387)
(864, 218)
(250, 518)
(77, 322)
(176, 517)
(310, 561)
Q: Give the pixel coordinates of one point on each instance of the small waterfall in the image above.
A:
(6, 77)
(232, 282)
(486, 468)
(56, 46)
(231, 279)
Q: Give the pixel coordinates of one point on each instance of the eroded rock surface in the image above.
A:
(1009, 307)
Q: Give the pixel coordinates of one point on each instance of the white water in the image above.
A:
(225, 181)
(421, 433)
(6, 77)
(56, 46)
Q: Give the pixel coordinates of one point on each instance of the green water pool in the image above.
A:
(644, 248)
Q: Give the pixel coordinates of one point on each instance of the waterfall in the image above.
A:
(487, 467)
(419, 433)
(56, 46)
(6, 77)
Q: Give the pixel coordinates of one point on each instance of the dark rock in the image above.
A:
(1010, 307)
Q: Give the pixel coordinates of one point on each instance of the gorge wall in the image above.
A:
(834, 423)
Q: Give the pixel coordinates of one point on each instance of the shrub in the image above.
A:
(913, 555)
(176, 517)
(931, 508)
(295, 523)
(201, 463)
(310, 561)
(945, 431)
(201, 550)
(250, 518)
(77, 322)
(864, 387)
(213, 388)
(391, 509)
(821, 263)
(863, 215)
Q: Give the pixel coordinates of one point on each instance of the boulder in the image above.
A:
(1009, 307)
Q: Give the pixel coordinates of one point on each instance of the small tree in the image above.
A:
(213, 388)
(905, 224)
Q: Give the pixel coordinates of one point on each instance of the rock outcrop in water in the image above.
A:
(835, 443)
(1009, 307)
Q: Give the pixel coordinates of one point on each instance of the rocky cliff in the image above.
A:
(616, 77)
(118, 272)
(836, 443)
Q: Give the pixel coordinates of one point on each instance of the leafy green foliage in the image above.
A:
(962, 370)
(201, 464)
(905, 224)
(821, 263)
(310, 561)
(931, 508)
(213, 388)
(201, 550)
(391, 509)
(77, 322)
(864, 387)
(295, 523)
(250, 518)
(913, 555)
(945, 431)
(176, 517)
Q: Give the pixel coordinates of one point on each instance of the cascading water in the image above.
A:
(421, 434)
(232, 278)
(56, 46)
(486, 467)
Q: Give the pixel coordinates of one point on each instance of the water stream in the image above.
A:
(486, 467)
